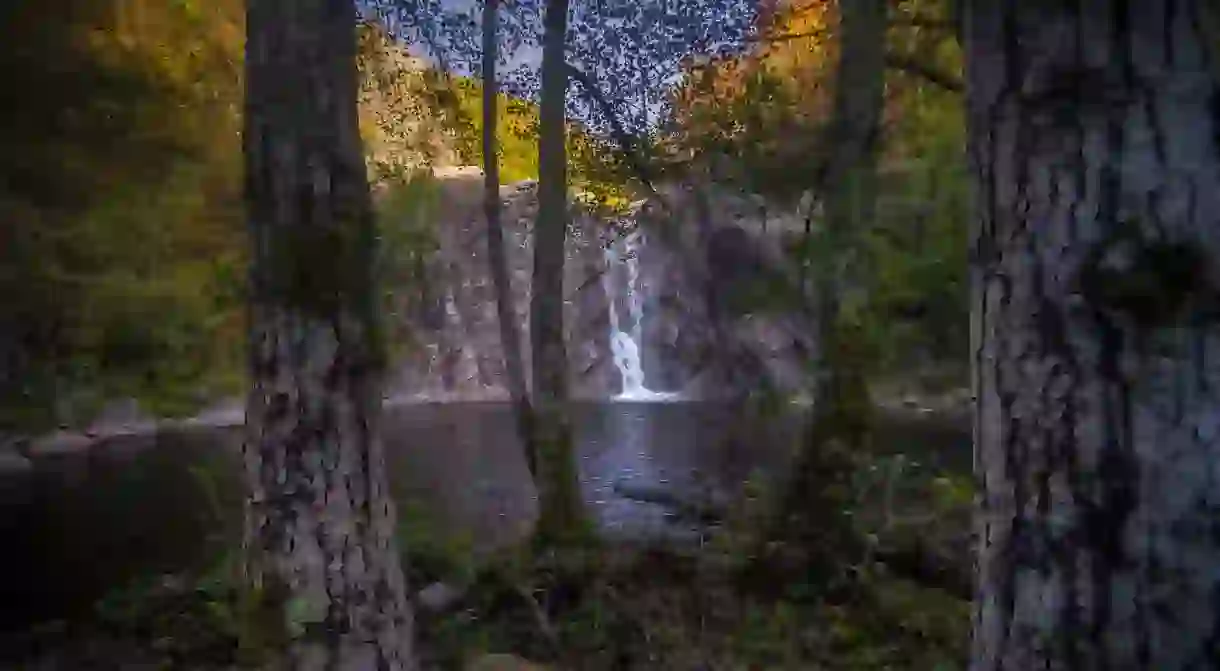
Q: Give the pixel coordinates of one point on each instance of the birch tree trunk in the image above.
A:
(561, 511)
(320, 522)
(1095, 138)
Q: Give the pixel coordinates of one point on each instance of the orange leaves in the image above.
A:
(762, 106)
(798, 38)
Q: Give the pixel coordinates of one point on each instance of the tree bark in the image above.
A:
(1095, 140)
(550, 232)
(510, 337)
(320, 522)
(561, 509)
(561, 513)
(850, 187)
(838, 425)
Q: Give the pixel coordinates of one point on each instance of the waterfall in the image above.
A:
(624, 345)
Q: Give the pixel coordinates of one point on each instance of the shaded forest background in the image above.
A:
(124, 240)
(123, 255)
(124, 260)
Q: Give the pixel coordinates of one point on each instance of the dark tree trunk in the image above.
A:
(320, 522)
(850, 181)
(550, 229)
(1095, 140)
(510, 337)
(849, 188)
(561, 513)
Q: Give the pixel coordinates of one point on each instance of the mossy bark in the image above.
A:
(809, 511)
(561, 508)
(320, 522)
(850, 192)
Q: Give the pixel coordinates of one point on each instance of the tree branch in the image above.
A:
(905, 22)
(923, 21)
(788, 37)
(626, 145)
(911, 66)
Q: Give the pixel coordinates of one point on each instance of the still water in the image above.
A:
(80, 523)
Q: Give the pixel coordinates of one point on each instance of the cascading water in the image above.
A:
(627, 458)
(626, 347)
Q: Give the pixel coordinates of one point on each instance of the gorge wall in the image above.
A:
(670, 297)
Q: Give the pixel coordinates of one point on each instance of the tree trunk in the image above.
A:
(510, 337)
(560, 514)
(320, 522)
(1095, 139)
(850, 188)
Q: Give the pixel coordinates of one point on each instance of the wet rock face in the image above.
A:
(683, 272)
(706, 330)
(459, 355)
(678, 336)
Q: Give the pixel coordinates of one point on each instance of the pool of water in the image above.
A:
(80, 523)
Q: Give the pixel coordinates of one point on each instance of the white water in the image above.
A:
(625, 346)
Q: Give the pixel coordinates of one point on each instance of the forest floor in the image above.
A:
(900, 599)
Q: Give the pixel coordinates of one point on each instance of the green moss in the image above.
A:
(433, 549)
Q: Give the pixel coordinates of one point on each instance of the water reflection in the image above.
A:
(81, 523)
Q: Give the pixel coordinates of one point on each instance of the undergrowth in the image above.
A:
(615, 606)
(638, 606)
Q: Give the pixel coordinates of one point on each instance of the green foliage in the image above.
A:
(760, 138)
(759, 122)
(123, 256)
(206, 615)
(917, 255)
(899, 625)
(516, 130)
(200, 619)
(121, 204)
(595, 166)
(649, 608)
(435, 551)
(407, 210)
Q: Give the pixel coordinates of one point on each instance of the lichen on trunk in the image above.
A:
(320, 522)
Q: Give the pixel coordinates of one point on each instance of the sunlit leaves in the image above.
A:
(403, 122)
(630, 49)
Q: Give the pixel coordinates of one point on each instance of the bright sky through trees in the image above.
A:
(632, 49)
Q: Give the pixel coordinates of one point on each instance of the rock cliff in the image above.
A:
(683, 276)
